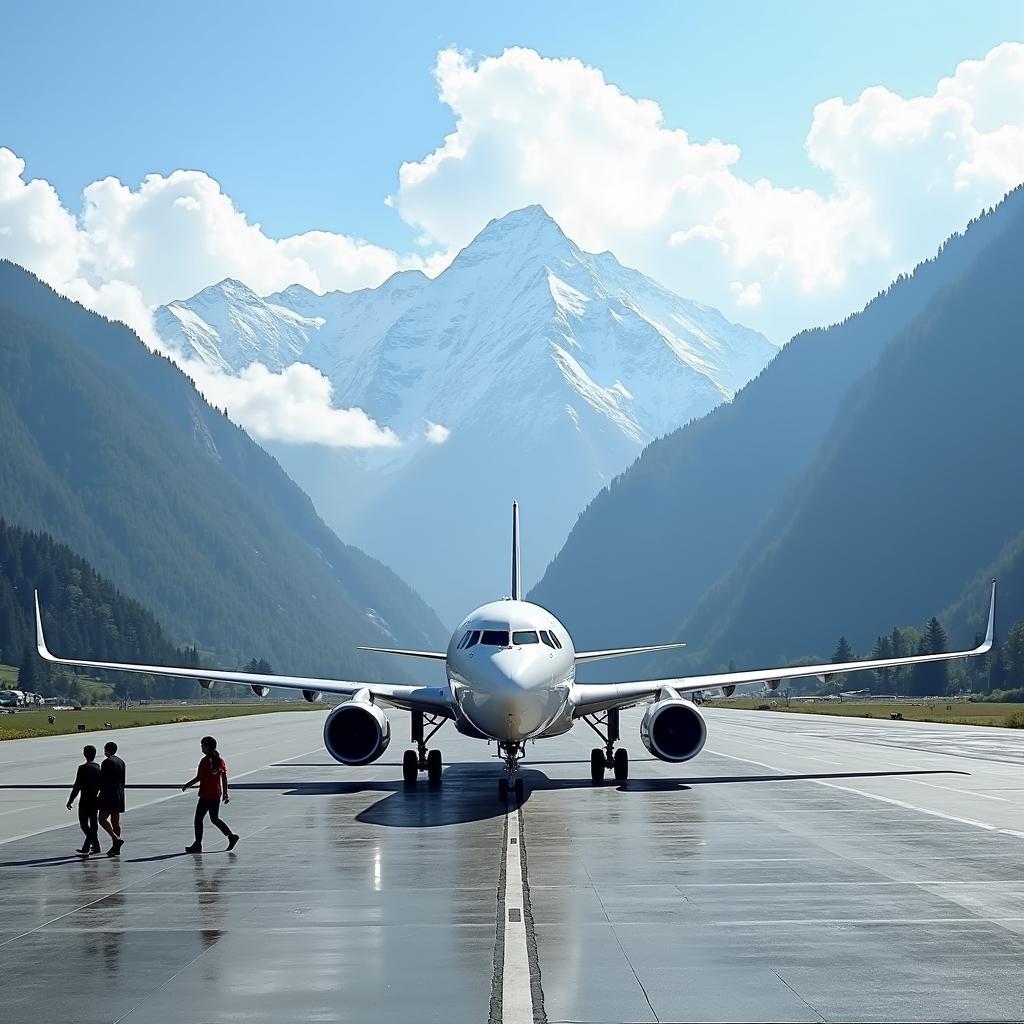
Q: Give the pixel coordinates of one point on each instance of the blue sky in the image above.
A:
(304, 113)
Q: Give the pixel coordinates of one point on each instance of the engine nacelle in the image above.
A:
(259, 689)
(673, 730)
(356, 732)
(312, 696)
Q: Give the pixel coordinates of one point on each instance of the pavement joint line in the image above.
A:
(885, 799)
(147, 803)
(964, 792)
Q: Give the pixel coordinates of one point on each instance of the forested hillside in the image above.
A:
(84, 615)
(649, 546)
(917, 486)
(109, 448)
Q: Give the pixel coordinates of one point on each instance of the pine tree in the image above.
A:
(843, 652)
(931, 678)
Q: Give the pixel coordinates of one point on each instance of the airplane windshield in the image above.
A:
(525, 636)
(494, 638)
(546, 637)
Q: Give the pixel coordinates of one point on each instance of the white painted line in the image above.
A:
(962, 792)
(516, 996)
(888, 800)
(155, 800)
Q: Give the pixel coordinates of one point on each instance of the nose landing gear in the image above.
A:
(511, 754)
(603, 758)
(421, 759)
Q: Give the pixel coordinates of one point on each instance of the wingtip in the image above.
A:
(990, 629)
(41, 648)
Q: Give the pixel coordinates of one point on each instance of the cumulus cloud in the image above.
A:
(906, 172)
(435, 433)
(131, 250)
(294, 406)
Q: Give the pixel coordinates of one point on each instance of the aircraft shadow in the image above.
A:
(468, 792)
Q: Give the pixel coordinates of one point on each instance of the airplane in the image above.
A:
(511, 677)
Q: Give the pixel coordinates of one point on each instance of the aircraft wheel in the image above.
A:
(597, 764)
(621, 764)
(503, 789)
(410, 766)
(434, 765)
(520, 790)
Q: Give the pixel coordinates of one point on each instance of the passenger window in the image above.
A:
(546, 637)
(474, 639)
(524, 636)
(494, 638)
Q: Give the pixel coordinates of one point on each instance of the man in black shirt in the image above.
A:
(87, 788)
(111, 802)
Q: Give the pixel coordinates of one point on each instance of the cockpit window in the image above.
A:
(546, 637)
(465, 637)
(524, 636)
(473, 639)
(554, 636)
(495, 638)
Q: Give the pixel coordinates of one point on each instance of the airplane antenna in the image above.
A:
(517, 594)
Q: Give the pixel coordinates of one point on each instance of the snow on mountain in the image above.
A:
(550, 367)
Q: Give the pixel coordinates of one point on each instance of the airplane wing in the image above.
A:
(596, 697)
(619, 652)
(432, 699)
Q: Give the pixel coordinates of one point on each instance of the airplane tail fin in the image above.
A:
(517, 583)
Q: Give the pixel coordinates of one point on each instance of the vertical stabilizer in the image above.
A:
(517, 593)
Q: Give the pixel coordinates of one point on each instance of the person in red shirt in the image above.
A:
(212, 777)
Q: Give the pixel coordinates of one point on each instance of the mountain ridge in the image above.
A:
(566, 362)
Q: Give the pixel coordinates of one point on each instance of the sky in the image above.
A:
(782, 162)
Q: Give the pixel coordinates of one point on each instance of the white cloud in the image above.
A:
(294, 406)
(435, 433)
(131, 250)
(906, 173)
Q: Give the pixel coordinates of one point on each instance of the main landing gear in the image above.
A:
(511, 753)
(421, 759)
(603, 758)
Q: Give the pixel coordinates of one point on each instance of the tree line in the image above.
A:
(999, 672)
(85, 616)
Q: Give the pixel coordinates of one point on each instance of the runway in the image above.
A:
(802, 868)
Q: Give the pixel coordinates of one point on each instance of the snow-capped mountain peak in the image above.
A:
(561, 362)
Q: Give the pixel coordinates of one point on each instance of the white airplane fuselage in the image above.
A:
(506, 690)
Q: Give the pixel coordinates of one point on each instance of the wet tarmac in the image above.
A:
(801, 869)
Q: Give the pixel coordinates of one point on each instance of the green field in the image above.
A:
(28, 724)
(951, 712)
(8, 677)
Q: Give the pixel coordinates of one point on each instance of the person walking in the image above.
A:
(111, 801)
(87, 790)
(212, 776)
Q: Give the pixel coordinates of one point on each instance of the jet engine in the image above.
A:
(356, 732)
(673, 729)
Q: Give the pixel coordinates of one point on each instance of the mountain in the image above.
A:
(916, 488)
(550, 368)
(109, 448)
(83, 612)
(852, 486)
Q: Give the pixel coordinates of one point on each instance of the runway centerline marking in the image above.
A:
(516, 993)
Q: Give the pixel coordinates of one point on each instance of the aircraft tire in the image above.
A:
(410, 767)
(503, 789)
(434, 766)
(597, 765)
(621, 764)
(520, 791)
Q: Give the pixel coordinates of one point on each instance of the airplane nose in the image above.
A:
(509, 698)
